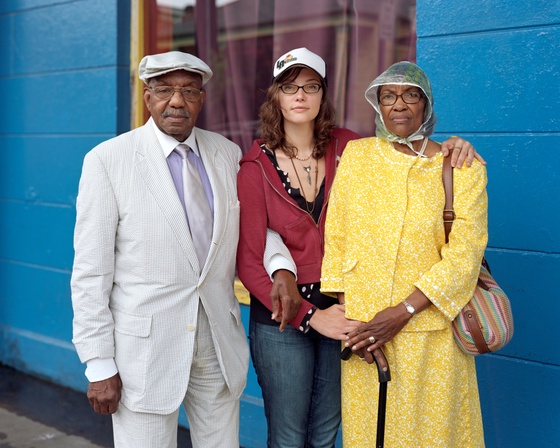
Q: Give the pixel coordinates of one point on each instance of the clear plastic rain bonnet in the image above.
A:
(403, 73)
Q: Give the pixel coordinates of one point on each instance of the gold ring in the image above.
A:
(372, 339)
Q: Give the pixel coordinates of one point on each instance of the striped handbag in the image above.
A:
(485, 324)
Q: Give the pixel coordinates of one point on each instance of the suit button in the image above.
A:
(190, 327)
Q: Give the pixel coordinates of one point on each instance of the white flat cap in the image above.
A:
(160, 64)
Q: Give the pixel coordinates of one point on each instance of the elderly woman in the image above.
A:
(387, 260)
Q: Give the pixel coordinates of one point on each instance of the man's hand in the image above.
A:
(285, 297)
(464, 152)
(104, 396)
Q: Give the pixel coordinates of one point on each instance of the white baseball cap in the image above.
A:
(160, 64)
(300, 57)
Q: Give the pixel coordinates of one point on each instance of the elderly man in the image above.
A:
(155, 316)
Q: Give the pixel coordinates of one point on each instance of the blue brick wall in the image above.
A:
(64, 76)
(496, 76)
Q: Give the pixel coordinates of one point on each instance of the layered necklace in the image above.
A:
(305, 159)
(307, 169)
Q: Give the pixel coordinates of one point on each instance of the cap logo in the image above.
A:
(289, 58)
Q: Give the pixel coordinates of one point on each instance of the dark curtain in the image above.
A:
(241, 39)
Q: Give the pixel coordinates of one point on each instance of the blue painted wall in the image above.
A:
(496, 77)
(65, 83)
(64, 78)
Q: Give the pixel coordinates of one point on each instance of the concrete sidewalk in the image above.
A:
(38, 414)
(17, 431)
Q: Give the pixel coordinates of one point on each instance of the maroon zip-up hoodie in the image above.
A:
(266, 204)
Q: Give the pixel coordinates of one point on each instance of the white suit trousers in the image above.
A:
(212, 412)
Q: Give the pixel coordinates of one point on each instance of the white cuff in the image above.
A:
(278, 261)
(276, 255)
(99, 369)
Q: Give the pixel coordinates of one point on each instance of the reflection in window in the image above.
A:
(241, 39)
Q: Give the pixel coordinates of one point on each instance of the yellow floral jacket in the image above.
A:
(385, 234)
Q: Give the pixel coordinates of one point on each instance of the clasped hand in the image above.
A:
(286, 301)
(384, 326)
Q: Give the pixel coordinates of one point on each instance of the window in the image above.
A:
(241, 39)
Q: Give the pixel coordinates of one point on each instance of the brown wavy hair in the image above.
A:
(271, 120)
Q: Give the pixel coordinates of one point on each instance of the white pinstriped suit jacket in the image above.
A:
(136, 283)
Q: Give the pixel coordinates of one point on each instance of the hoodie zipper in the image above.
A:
(325, 200)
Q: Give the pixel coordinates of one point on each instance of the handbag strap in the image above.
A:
(448, 212)
(448, 218)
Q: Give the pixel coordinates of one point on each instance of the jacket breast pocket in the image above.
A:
(233, 216)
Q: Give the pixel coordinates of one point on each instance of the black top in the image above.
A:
(311, 291)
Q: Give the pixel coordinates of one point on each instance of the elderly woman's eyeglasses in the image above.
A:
(165, 93)
(292, 89)
(388, 99)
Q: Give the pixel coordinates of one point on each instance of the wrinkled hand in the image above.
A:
(463, 154)
(285, 297)
(384, 326)
(104, 396)
(369, 357)
(332, 323)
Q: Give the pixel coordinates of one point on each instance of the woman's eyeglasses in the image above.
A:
(388, 99)
(292, 89)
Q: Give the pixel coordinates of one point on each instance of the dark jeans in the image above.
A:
(299, 375)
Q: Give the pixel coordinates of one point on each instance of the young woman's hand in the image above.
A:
(332, 322)
(463, 152)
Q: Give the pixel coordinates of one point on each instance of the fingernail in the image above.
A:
(346, 344)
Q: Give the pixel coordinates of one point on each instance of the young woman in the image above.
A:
(283, 184)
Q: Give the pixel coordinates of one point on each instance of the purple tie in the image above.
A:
(199, 215)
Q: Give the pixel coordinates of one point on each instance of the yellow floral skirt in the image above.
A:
(432, 398)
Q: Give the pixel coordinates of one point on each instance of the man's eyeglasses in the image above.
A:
(388, 99)
(165, 93)
(292, 89)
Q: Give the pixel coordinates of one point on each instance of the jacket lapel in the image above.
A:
(214, 166)
(153, 168)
